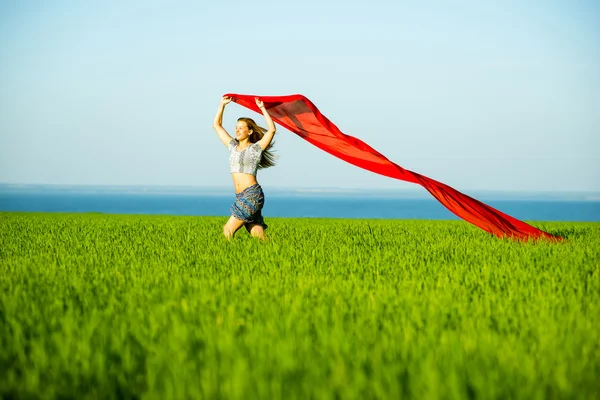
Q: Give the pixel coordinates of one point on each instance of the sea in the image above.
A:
(290, 202)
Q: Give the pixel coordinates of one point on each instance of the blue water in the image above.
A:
(289, 206)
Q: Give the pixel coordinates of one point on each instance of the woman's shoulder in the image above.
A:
(256, 147)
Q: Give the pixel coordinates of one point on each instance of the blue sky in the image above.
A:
(478, 95)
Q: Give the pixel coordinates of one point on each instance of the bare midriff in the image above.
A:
(242, 181)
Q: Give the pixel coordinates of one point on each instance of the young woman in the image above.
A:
(248, 152)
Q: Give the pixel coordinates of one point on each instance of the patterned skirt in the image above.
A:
(248, 205)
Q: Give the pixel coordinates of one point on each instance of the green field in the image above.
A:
(160, 307)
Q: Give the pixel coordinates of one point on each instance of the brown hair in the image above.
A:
(268, 158)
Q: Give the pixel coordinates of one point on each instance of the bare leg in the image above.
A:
(256, 230)
(231, 227)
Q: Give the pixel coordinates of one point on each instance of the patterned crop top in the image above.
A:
(245, 161)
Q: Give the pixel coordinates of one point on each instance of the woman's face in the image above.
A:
(241, 130)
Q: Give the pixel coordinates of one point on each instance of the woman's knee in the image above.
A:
(257, 231)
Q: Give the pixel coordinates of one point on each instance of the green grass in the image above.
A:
(101, 306)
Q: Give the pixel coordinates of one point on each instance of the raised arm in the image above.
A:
(268, 137)
(223, 135)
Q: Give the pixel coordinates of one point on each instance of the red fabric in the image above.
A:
(299, 115)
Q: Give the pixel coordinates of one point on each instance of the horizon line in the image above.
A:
(314, 189)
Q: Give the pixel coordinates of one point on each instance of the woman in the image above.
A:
(248, 152)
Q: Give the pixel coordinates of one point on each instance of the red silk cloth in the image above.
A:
(299, 115)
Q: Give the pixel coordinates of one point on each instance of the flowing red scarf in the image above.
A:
(299, 115)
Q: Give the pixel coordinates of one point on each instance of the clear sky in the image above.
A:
(481, 95)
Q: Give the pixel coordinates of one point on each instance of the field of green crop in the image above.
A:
(159, 307)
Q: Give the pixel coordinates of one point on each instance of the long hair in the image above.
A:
(268, 158)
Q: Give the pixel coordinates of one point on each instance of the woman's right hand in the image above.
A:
(226, 100)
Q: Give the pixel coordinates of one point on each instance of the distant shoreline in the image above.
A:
(417, 193)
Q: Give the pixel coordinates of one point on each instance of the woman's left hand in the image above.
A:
(259, 102)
